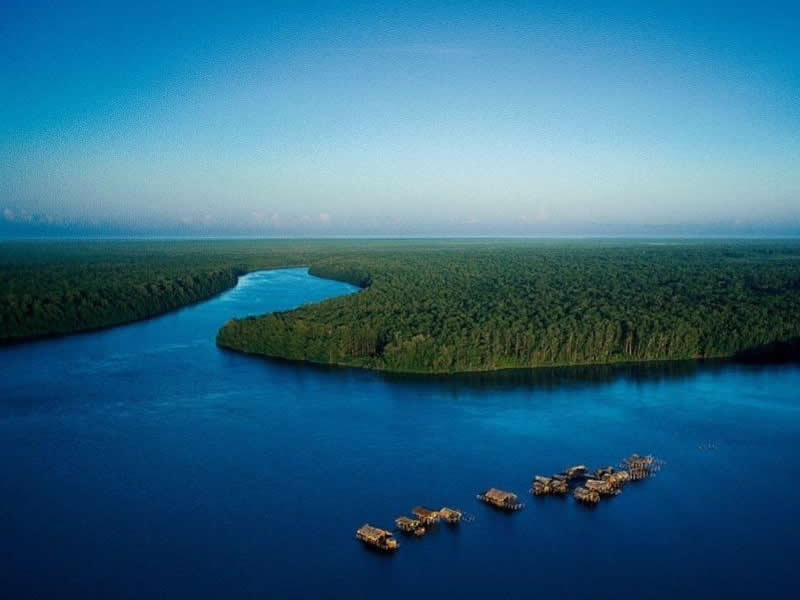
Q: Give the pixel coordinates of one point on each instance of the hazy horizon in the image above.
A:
(375, 120)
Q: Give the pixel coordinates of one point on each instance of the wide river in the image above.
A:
(144, 462)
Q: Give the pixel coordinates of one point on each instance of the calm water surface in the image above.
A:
(143, 462)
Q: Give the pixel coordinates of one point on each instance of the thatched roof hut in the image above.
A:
(639, 466)
(450, 515)
(543, 486)
(601, 486)
(497, 495)
(501, 499)
(586, 496)
(602, 472)
(376, 537)
(426, 515)
(576, 471)
(618, 479)
(409, 525)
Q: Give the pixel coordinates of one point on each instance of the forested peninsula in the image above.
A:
(454, 307)
(432, 306)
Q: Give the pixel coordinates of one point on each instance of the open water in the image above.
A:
(144, 462)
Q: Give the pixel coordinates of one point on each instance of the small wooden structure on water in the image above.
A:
(574, 472)
(641, 467)
(557, 485)
(425, 515)
(377, 538)
(601, 473)
(619, 479)
(500, 499)
(409, 525)
(602, 487)
(451, 515)
(586, 496)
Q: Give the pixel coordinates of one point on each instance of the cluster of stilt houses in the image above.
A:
(423, 520)
(587, 487)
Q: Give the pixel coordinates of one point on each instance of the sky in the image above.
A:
(399, 118)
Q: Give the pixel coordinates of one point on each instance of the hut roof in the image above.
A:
(422, 511)
(596, 484)
(407, 521)
(372, 533)
(499, 495)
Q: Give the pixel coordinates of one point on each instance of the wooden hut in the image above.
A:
(575, 472)
(602, 472)
(425, 515)
(640, 467)
(500, 499)
(544, 486)
(377, 538)
(409, 525)
(618, 479)
(450, 515)
(601, 486)
(586, 496)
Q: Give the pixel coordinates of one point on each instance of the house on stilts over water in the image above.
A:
(500, 499)
(557, 485)
(586, 496)
(641, 467)
(409, 525)
(451, 515)
(377, 538)
(427, 516)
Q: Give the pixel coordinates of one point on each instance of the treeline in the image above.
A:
(432, 306)
(446, 307)
(56, 288)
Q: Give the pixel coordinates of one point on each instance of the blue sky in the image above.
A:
(453, 118)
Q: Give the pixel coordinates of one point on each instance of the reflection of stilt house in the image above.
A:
(500, 499)
(377, 538)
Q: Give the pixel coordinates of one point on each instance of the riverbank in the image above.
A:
(52, 289)
(434, 306)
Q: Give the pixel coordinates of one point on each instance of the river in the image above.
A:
(144, 462)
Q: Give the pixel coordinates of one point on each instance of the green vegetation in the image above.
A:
(471, 306)
(55, 288)
(433, 306)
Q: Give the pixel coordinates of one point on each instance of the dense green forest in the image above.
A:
(431, 306)
(447, 307)
(59, 287)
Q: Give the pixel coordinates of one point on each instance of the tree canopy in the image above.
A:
(492, 305)
(431, 305)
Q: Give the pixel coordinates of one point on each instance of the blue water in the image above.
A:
(143, 462)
